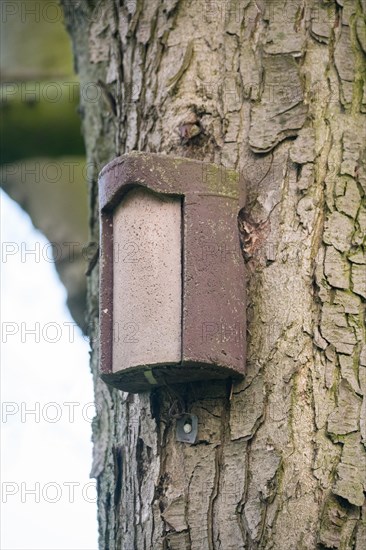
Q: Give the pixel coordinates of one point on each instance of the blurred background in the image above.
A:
(48, 500)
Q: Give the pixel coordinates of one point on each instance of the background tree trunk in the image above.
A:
(274, 89)
(41, 149)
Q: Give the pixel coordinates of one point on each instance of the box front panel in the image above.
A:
(147, 281)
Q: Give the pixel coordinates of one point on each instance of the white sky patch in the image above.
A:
(48, 499)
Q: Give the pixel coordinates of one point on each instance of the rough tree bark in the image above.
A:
(275, 89)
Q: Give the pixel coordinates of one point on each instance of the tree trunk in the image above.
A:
(276, 90)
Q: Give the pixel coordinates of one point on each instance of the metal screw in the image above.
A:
(187, 428)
